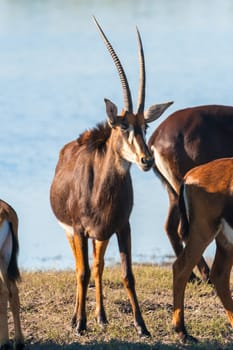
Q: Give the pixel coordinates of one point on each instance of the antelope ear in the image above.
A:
(111, 110)
(155, 111)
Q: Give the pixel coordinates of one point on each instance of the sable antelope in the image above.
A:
(9, 275)
(92, 196)
(188, 138)
(206, 206)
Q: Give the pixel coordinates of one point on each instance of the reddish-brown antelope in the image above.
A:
(92, 196)
(206, 203)
(188, 138)
(9, 275)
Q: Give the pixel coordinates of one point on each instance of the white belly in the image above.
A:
(68, 229)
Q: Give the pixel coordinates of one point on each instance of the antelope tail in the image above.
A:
(184, 222)
(13, 269)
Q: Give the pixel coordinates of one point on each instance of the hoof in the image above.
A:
(102, 321)
(187, 339)
(81, 327)
(143, 331)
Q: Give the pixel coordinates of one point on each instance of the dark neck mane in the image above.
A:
(95, 139)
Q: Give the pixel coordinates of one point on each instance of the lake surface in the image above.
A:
(54, 75)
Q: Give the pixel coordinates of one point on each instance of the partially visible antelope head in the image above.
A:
(132, 126)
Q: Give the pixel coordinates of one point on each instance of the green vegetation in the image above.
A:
(47, 301)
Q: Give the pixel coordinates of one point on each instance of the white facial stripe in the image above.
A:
(227, 231)
(128, 154)
(164, 168)
(136, 144)
(131, 134)
(126, 150)
(68, 229)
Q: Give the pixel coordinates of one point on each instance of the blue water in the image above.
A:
(54, 75)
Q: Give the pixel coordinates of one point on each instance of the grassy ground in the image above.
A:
(47, 301)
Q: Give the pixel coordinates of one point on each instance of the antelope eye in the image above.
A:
(124, 127)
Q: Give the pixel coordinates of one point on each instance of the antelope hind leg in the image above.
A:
(124, 242)
(99, 248)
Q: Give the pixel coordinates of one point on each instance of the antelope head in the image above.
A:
(129, 127)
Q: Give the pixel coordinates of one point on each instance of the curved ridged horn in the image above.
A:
(128, 106)
(142, 76)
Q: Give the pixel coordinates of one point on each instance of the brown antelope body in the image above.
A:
(9, 274)
(188, 138)
(92, 196)
(206, 206)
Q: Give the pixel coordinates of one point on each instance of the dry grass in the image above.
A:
(47, 301)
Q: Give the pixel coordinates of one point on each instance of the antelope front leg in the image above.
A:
(4, 336)
(124, 242)
(15, 308)
(79, 245)
(99, 248)
(172, 224)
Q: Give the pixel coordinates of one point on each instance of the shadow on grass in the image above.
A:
(118, 345)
